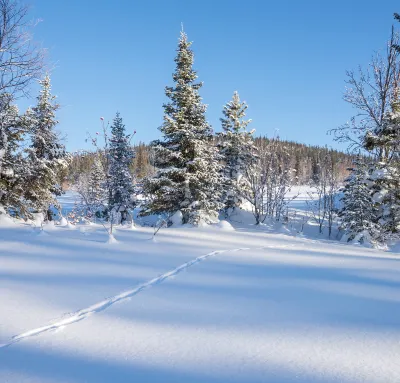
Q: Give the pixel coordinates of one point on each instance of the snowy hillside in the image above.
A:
(198, 305)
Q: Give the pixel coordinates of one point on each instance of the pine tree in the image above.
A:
(120, 182)
(384, 175)
(384, 181)
(237, 150)
(372, 194)
(187, 160)
(358, 215)
(12, 163)
(385, 138)
(47, 154)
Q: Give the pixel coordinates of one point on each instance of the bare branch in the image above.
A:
(21, 60)
(371, 92)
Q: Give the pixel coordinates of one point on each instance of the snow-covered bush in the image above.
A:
(266, 183)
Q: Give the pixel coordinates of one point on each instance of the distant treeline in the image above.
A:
(305, 160)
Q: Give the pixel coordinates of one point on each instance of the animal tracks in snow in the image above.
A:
(82, 314)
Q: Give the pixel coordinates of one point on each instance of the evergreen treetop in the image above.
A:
(45, 142)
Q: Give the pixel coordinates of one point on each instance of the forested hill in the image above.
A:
(304, 160)
(307, 160)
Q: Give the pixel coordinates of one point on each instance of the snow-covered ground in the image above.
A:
(196, 305)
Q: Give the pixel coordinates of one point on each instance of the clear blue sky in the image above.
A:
(287, 59)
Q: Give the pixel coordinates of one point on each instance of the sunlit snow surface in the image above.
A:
(196, 305)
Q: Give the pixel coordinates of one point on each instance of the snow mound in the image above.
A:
(42, 233)
(111, 240)
(70, 226)
(5, 219)
(63, 222)
(394, 247)
(49, 226)
(38, 219)
(176, 219)
(224, 225)
(87, 230)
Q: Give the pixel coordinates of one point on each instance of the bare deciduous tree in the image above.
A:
(21, 60)
(371, 91)
(324, 193)
(268, 181)
(253, 191)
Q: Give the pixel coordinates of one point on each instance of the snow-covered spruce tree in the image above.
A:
(12, 163)
(188, 178)
(358, 215)
(120, 181)
(384, 175)
(47, 155)
(384, 184)
(236, 146)
(385, 138)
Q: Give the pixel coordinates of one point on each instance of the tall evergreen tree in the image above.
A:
(187, 160)
(12, 163)
(47, 154)
(384, 175)
(120, 182)
(237, 150)
(358, 215)
(384, 183)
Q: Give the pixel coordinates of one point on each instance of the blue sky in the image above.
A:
(287, 59)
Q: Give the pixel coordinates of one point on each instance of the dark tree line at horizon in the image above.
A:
(305, 160)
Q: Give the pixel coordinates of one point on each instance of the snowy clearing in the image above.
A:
(238, 306)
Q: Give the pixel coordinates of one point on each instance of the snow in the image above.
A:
(196, 305)
(37, 219)
(63, 222)
(111, 239)
(5, 220)
(176, 218)
(224, 225)
(379, 196)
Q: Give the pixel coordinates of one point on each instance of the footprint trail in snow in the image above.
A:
(103, 305)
